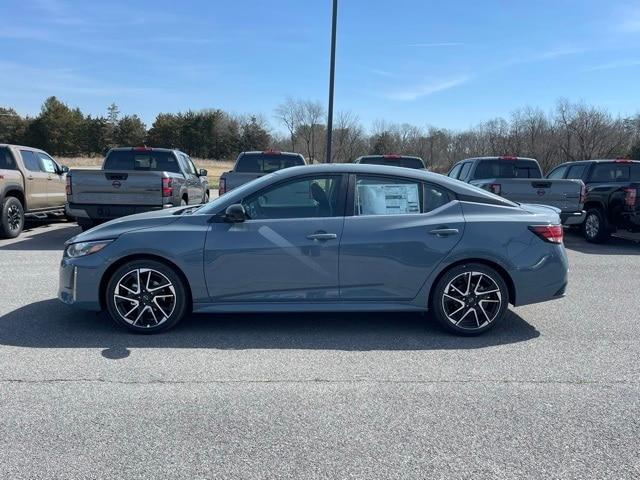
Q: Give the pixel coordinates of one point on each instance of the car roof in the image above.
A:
(22, 147)
(271, 152)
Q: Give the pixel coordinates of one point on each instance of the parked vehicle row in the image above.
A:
(134, 180)
(323, 238)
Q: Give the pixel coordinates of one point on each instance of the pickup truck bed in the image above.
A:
(520, 180)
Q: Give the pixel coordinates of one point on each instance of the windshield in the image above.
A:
(407, 162)
(507, 169)
(266, 162)
(147, 160)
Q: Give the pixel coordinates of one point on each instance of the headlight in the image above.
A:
(85, 248)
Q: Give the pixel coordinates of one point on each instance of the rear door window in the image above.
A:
(576, 172)
(610, 172)
(30, 161)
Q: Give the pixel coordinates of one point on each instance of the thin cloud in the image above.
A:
(615, 65)
(427, 88)
(437, 44)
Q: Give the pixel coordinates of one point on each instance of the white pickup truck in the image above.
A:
(520, 179)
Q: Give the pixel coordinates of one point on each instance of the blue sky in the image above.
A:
(449, 64)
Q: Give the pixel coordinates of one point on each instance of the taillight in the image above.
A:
(630, 195)
(222, 187)
(167, 187)
(583, 194)
(495, 188)
(548, 233)
(68, 185)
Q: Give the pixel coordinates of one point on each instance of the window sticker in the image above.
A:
(388, 199)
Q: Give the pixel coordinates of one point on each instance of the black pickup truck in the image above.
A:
(613, 200)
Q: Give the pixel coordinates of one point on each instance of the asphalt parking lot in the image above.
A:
(551, 393)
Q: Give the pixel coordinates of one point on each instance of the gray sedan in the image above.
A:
(323, 238)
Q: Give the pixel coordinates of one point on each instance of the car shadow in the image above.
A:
(51, 324)
(620, 244)
(42, 236)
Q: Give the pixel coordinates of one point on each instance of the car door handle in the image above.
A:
(322, 236)
(444, 232)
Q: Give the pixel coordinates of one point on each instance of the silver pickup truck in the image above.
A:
(134, 180)
(520, 180)
(252, 165)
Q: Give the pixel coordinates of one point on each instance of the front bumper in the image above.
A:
(573, 218)
(79, 283)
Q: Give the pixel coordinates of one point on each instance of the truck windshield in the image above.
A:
(266, 162)
(407, 162)
(507, 169)
(146, 160)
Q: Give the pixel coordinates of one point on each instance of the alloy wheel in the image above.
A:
(471, 300)
(144, 297)
(14, 217)
(592, 226)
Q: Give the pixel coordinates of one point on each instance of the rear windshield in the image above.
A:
(507, 169)
(266, 162)
(148, 160)
(408, 162)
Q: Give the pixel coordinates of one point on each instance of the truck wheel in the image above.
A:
(12, 221)
(146, 296)
(594, 227)
(470, 299)
(86, 224)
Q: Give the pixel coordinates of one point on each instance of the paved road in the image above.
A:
(552, 393)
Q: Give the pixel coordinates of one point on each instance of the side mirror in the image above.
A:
(235, 213)
(203, 172)
(64, 169)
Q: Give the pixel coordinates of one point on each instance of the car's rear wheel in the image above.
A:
(594, 227)
(146, 296)
(12, 220)
(470, 299)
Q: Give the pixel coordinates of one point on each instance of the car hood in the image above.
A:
(117, 227)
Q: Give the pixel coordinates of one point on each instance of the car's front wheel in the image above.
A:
(146, 296)
(470, 299)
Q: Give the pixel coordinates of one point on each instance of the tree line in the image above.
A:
(572, 131)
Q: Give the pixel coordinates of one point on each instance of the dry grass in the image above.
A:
(214, 168)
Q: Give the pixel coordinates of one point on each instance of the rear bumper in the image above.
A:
(572, 218)
(109, 212)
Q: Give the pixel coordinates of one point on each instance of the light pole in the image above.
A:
(332, 72)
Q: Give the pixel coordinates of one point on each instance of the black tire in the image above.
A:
(86, 224)
(162, 316)
(478, 312)
(12, 221)
(594, 227)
